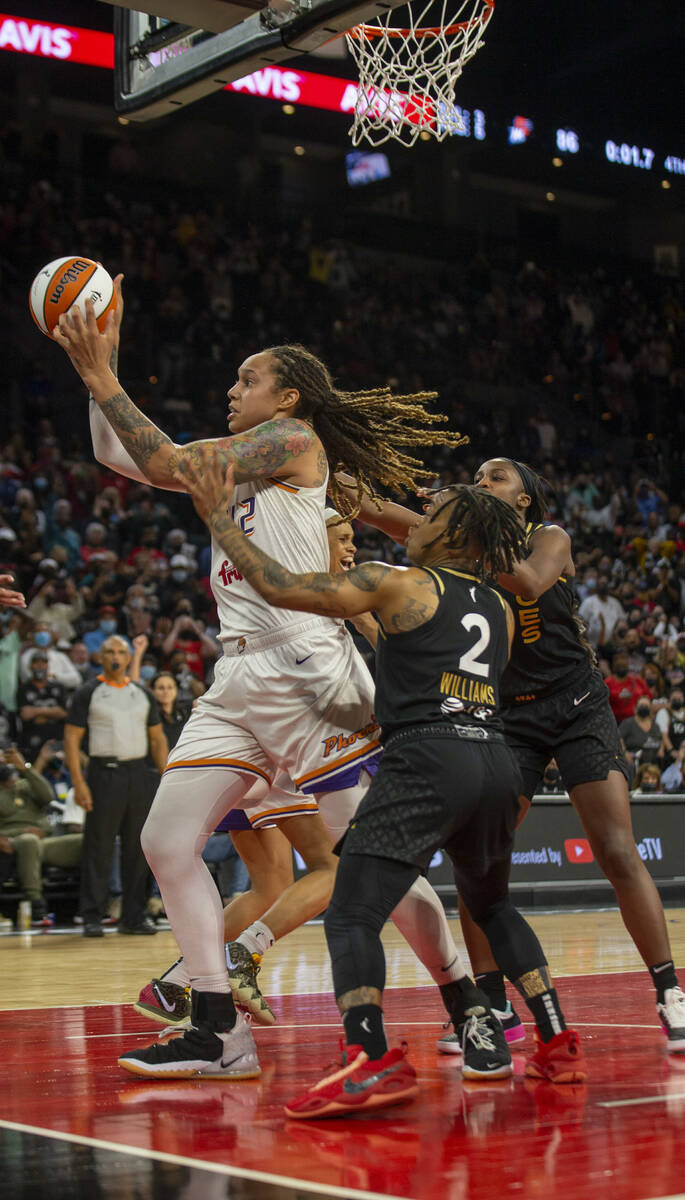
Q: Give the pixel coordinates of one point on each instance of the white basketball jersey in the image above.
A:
(287, 523)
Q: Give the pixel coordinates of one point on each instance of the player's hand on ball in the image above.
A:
(89, 350)
(204, 472)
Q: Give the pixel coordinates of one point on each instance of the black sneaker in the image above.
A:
(484, 1046)
(144, 928)
(198, 1053)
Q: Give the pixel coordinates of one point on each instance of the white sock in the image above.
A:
(257, 938)
(177, 974)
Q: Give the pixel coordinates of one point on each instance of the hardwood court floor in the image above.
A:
(73, 1125)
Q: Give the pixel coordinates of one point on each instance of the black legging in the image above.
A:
(367, 889)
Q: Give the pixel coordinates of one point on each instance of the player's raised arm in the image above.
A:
(392, 519)
(93, 354)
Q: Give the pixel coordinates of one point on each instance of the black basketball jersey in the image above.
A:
(449, 668)
(547, 650)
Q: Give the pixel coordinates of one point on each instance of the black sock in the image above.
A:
(364, 1027)
(213, 1010)
(547, 1013)
(492, 983)
(460, 996)
(663, 977)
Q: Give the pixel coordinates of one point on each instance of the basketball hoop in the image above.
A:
(407, 76)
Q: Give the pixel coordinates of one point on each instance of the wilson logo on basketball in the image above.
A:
(77, 268)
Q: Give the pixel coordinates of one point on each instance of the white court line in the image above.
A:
(641, 1100)
(297, 1185)
(400, 987)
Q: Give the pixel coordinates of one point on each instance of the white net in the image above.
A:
(407, 76)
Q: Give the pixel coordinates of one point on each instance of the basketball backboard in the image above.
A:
(166, 61)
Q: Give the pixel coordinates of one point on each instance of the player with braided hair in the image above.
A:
(366, 428)
(555, 704)
(446, 780)
(289, 694)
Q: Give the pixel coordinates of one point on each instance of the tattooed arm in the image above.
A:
(131, 443)
(145, 450)
(403, 598)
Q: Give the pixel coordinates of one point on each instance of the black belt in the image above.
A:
(112, 763)
(467, 733)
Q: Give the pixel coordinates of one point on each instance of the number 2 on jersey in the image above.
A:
(470, 661)
(245, 519)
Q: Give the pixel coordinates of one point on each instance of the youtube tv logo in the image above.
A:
(578, 850)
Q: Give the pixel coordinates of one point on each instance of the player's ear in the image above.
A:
(289, 402)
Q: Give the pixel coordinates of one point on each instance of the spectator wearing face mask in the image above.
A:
(624, 687)
(601, 612)
(107, 625)
(647, 780)
(42, 707)
(671, 721)
(642, 740)
(144, 666)
(60, 668)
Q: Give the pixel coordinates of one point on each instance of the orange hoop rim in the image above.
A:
(372, 31)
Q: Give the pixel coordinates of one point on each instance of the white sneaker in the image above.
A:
(198, 1053)
(672, 1015)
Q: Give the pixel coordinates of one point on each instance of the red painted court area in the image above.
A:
(622, 1135)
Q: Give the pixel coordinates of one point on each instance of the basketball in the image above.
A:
(69, 281)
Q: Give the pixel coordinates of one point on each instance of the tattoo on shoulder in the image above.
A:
(368, 576)
(415, 609)
(321, 468)
(261, 451)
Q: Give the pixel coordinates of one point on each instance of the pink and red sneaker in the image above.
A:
(359, 1083)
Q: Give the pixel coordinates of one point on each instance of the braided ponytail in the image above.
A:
(362, 432)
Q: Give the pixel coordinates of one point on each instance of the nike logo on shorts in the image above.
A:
(577, 702)
(299, 661)
(365, 1025)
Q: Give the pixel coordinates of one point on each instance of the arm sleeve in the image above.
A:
(108, 449)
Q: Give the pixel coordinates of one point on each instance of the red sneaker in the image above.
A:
(559, 1061)
(359, 1083)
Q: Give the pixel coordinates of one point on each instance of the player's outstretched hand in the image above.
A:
(8, 597)
(204, 472)
(89, 350)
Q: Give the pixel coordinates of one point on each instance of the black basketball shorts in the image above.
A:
(575, 726)
(435, 792)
